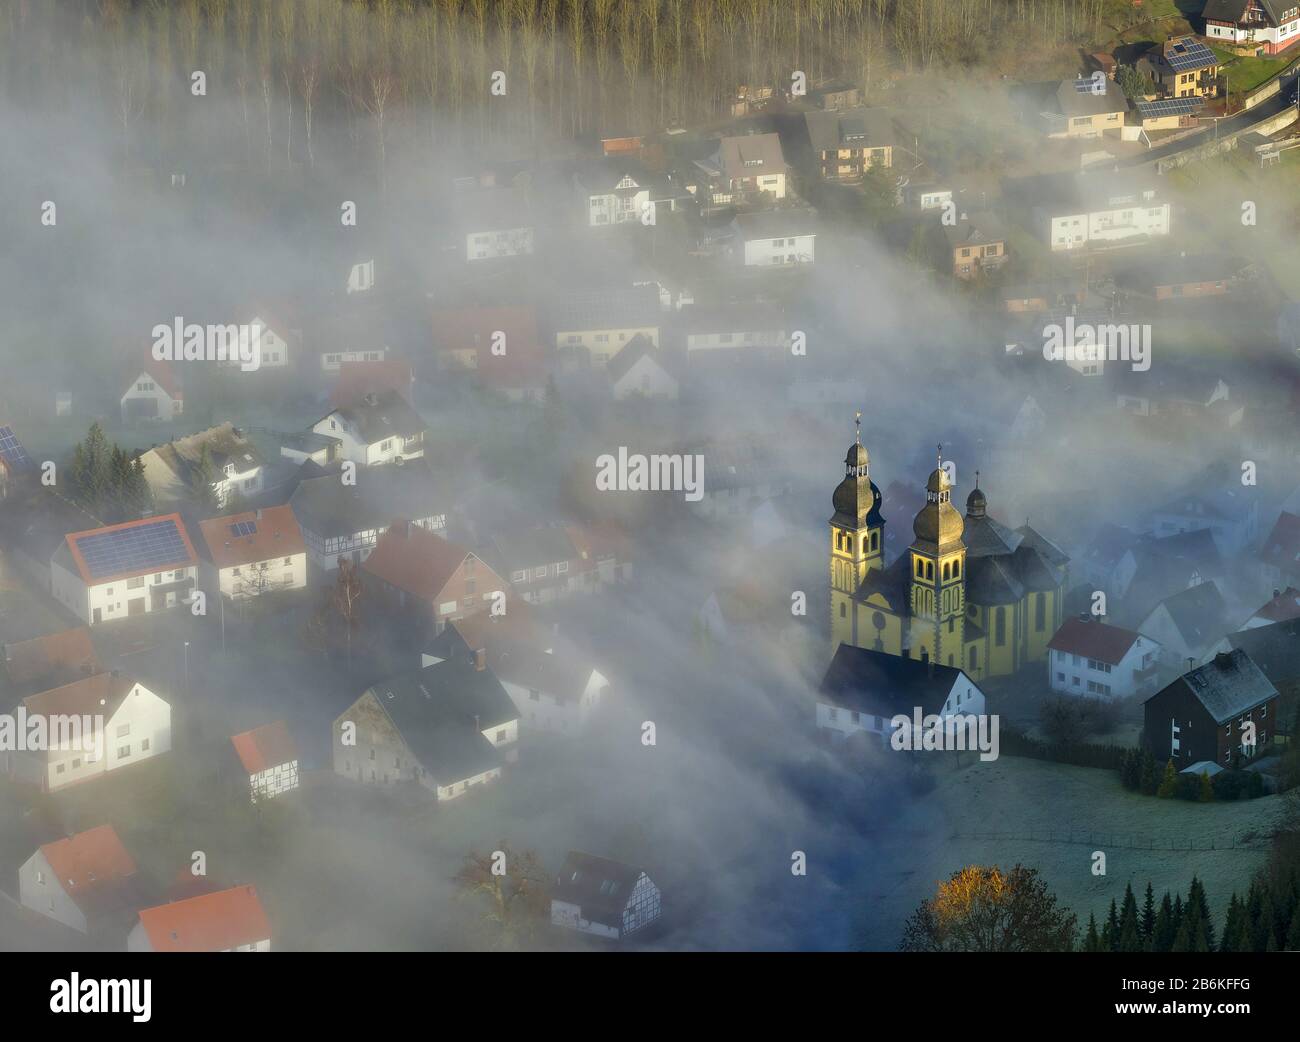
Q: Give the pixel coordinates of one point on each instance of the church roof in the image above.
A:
(986, 536)
(890, 582)
(881, 684)
(992, 580)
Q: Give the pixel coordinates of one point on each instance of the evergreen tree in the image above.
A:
(1147, 924)
(1162, 936)
(1130, 937)
(1293, 934)
(1110, 932)
(1150, 775)
(1234, 925)
(1091, 942)
(1207, 790)
(1169, 783)
(1199, 908)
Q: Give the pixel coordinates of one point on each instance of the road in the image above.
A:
(1283, 99)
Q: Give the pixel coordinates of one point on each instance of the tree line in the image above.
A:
(572, 67)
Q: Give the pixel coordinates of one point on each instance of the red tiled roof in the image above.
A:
(1282, 547)
(166, 566)
(264, 747)
(164, 374)
(277, 535)
(99, 695)
(90, 865)
(1282, 608)
(213, 922)
(414, 559)
(66, 653)
(358, 379)
(1094, 640)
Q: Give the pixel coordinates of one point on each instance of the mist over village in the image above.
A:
(649, 475)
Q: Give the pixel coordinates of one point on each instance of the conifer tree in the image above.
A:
(1147, 924)
(1168, 783)
(1162, 936)
(1110, 932)
(1199, 908)
(1150, 774)
(1091, 942)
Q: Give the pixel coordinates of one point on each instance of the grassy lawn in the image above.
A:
(1019, 796)
(1245, 74)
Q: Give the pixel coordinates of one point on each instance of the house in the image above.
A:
(1078, 108)
(553, 686)
(848, 143)
(1275, 649)
(639, 368)
(1269, 26)
(1284, 606)
(1180, 276)
(87, 881)
(1090, 658)
(49, 661)
(784, 238)
(1098, 564)
(429, 580)
(120, 570)
(269, 758)
(1203, 715)
(604, 553)
(599, 322)
(279, 339)
(835, 96)
(739, 477)
(375, 429)
(619, 190)
(106, 722)
(494, 223)
(1168, 113)
(446, 728)
(1171, 389)
(543, 563)
(153, 393)
(1182, 67)
(1280, 551)
(1094, 209)
(1215, 501)
(339, 520)
(1187, 624)
(256, 552)
(222, 921)
(974, 245)
(234, 466)
(744, 171)
(864, 690)
(603, 898)
(355, 380)
(501, 347)
(302, 446)
(729, 331)
(1157, 566)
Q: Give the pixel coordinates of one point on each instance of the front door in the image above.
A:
(135, 606)
(97, 616)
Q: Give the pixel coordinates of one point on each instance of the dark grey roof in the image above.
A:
(599, 886)
(1051, 553)
(630, 308)
(977, 230)
(993, 580)
(326, 507)
(1275, 649)
(850, 128)
(1199, 612)
(1228, 685)
(985, 535)
(530, 548)
(1074, 101)
(383, 415)
(1235, 10)
(881, 684)
(632, 352)
(441, 710)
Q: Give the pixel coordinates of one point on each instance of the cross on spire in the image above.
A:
(857, 420)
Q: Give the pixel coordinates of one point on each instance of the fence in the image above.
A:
(1117, 840)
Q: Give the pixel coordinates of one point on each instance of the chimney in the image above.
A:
(1084, 616)
(1223, 660)
(1276, 594)
(480, 659)
(258, 513)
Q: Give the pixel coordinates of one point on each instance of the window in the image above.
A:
(136, 583)
(534, 695)
(144, 745)
(1040, 613)
(518, 576)
(58, 768)
(562, 567)
(123, 750)
(123, 730)
(501, 736)
(1000, 626)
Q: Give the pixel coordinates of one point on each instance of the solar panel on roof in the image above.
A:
(11, 449)
(241, 528)
(1169, 107)
(137, 549)
(1190, 55)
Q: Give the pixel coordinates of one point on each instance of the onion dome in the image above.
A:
(938, 522)
(976, 503)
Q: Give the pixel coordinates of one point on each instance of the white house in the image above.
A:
(258, 551)
(278, 339)
(1099, 210)
(333, 360)
(223, 921)
(269, 757)
(446, 728)
(774, 238)
(751, 328)
(153, 394)
(494, 223)
(863, 691)
(1089, 658)
(1214, 502)
(375, 429)
(1284, 607)
(603, 898)
(80, 881)
(620, 190)
(1270, 25)
(1187, 624)
(640, 368)
(102, 723)
(122, 570)
(236, 466)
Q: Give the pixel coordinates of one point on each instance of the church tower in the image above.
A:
(857, 538)
(937, 565)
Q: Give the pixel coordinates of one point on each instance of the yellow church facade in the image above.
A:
(969, 592)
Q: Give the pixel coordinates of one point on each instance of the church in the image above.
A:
(969, 592)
